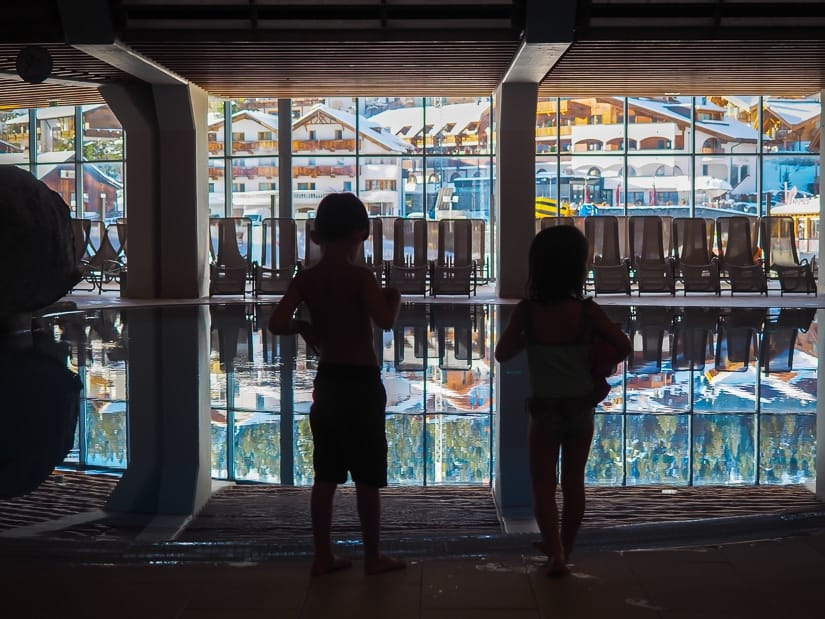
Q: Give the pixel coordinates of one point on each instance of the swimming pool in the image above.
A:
(709, 396)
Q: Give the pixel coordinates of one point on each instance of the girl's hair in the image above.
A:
(558, 264)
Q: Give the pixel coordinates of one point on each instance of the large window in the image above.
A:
(705, 156)
(403, 156)
(77, 151)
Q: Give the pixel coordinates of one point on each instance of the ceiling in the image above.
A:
(293, 48)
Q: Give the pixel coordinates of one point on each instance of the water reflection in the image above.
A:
(709, 396)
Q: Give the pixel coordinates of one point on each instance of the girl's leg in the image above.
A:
(573, 462)
(543, 456)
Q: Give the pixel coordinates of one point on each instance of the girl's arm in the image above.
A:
(513, 339)
(611, 333)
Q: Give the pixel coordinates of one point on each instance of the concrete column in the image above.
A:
(515, 184)
(285, 158)
(511, 486)
(820, 317)
(170, 464)
(166, 187)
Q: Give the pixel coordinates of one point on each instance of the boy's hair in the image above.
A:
(339, 215)
(558, 264)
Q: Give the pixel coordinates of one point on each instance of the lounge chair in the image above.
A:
(231, 254)
(410, 267)
(83, 251)
(234, 334)
(479, 250)
(779, 337)
(373, 249)
(411, 337)
(737, 259)
(737, 338)
(454, 270)
(650, 260)
(693, 338)
(460, 329)
(610, 269)
(652, 324)
(695, 263)
(109, 260)
(311, 250)
(279, 256)
(549, 222)
(777, 237)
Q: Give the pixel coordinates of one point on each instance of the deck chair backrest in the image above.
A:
(411, 337)
(112, 246)
(602, 233)
(432, 240)
(279, 243)
(234, 241)
(455, 242)
(311, 250)
(733, 237)
(82, 229)
(373, 246)
(549, 222)
(480, 245)
(691, 240)
(778, 241)
(410, 242)
(646, 235)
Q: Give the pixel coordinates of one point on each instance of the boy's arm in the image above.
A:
(513, 339)
(281, 322)
(382, 303)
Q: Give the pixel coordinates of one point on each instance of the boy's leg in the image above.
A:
(543, 458)
(321, 511)
(575, 452)
(369, 512)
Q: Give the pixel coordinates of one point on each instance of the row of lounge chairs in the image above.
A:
(435, 257)
(100, 251)
(655, 253)
(741, 336)
(667, 338)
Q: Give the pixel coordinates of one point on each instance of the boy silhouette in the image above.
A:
(347, 416)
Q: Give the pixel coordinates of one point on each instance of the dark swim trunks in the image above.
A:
(347, 418)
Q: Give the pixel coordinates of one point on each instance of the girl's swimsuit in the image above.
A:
(561, 387)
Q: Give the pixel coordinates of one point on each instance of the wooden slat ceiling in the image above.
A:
(292, 48)
(649, 68)
(69, 64)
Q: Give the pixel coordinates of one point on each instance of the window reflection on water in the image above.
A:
(709, 396)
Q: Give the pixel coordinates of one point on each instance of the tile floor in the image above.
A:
(767, 578)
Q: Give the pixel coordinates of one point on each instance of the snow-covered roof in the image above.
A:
(450, 119)
(368, 127)
(270, 121)
(794, 111)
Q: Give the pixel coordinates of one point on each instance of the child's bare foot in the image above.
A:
(382, 564)
(557, 567)
(327, 565)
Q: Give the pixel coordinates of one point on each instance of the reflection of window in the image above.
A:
(213, 136)
(347, 185)
(380, 185)
(211, 187)
(312, 135)
(237, 136)
(264, 135)
(238, 186)
(267, 186)
(306, 186)
(339, 134)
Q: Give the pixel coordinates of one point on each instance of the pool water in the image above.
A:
(709, 396)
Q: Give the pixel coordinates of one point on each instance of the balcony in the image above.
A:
(314, 146)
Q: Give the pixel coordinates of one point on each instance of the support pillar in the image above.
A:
(170, 467)
(515, 184)
(166, 188)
